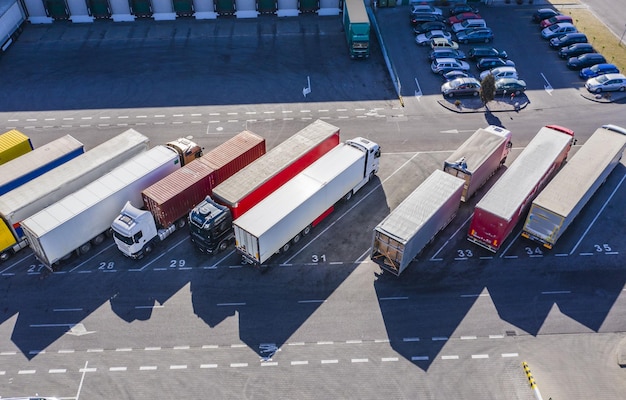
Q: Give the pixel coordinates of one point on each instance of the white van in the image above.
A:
(468, 24)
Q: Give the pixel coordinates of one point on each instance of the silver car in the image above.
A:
(606, 83)
(461, 87)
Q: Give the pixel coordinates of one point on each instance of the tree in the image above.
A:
(487, 89)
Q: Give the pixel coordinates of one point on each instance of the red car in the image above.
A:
(462, 17)
(555, 20)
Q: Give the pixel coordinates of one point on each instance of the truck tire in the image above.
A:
(98, 240)
(307, 230)
(147, 249)
(285, 247)
(5, 256)
(223, 245)
(348, 196)
(181, 223)
(296, 238)
(84, 248)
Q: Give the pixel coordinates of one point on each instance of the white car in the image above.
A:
(500, 72)
(425, 9)
(606, 83)
(424, 39)
(443, 43)
(468, 24)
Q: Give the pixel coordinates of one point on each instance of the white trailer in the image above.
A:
(290, 212)
(404, 233)
(37, 194)
(82, 218)
(12, 17)
(479, 157)
(554, 209)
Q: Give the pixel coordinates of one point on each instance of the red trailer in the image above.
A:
(507, 202)
(255, 182)
(169, 200)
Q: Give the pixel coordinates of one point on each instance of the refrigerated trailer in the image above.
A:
(283, 217)
(554, 209)
(168, 202)
(37, 194)
(246, 188)
(506, 203)
(37, 162)
(13, 144)
(479, 157)
(404, 233)
(82, 219)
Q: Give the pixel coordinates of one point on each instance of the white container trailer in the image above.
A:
(554, 209)
(479, 157)
(72, 223)
(12, 17)
(292, 210)
(37, 194)
(404, 233)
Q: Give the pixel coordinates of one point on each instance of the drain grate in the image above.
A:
(511, 333)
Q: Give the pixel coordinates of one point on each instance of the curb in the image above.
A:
(494, 106)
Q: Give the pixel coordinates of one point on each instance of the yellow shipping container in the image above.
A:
(13, 144)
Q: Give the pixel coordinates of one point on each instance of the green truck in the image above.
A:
(356, 25)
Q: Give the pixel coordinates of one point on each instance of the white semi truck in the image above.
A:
(554, 209)
(82, 219)
(283, 217)
(38, 193)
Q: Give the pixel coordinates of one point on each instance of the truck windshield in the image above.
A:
(122, 238)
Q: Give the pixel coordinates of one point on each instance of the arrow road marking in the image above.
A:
(547, 86)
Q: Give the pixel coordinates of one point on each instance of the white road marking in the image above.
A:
(152, 348)
(476, 295)
(510, 354)
(354, 341)
(68, 351)
(557, 292)
(124, 349)
(295, 344)
(210, 346)
(237, 346)
(95, 350)
(204, 366)
(419, 358)
(389, 359)
(238, 365)
(480, 356)
(468, 337)
(325, 342)
(330, 361)
(496, 336)
(311, 301)
(117, 369)
(178, 367)
(181, 347)
(87, 369)
(411, 339)
(360, 360)
(26, 371)
(8, 353)
(57, 371)
(148, 368)
(439, 338)
(455, 357)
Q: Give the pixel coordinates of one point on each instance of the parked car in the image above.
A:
(510, 85)
(468, 24)
(443, 43)
(567, 39)
(426, 9)
(461, 8)
(443, 65)
(461, 87)
(475, 35)
(555, 20)
(543, 13)
(446, 53)
(462, 17)
(448, 76)
(500, 72)
(485, 51)
(585, 60)
(423, 39)
(597, 70)
(558, 30)
(576, 49)
(431, 26)
(493, 62)
(420, 18)
(606, 83)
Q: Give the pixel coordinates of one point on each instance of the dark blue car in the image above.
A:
(597, 70)
(475, 35)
